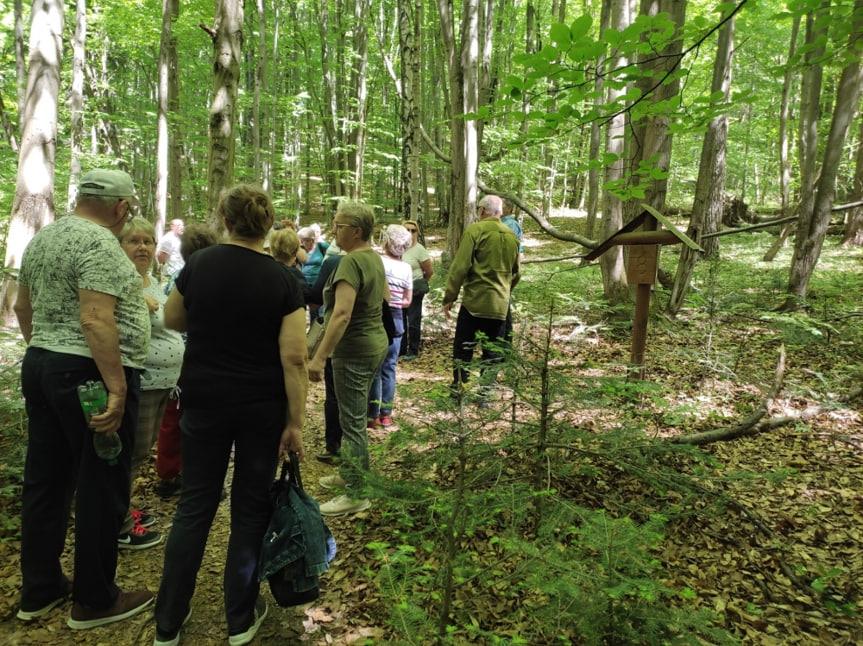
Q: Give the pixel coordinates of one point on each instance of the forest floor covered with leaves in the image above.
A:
(770, 539)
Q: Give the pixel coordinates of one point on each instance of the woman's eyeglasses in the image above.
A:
(135, 242)
(412, 230)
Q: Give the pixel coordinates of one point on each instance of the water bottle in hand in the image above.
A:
(94, 401)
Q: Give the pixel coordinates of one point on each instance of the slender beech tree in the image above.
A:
(788, 81)
(409, 33)
(463, 64)
(710, 184)
(611, 262)
(853, 235)
(227, 36)
(163, 133)
(812, 224)
(33, 204)
(76, 101)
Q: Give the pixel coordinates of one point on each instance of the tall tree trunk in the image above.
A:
(812, 230)
(784, 110)
(463, 77)
(76, 102)
(652, 139)
(710, 185)
(33, 204)
(175, 168)
(227, 37)
(784, 163)
(593, 192)
(356, 136)
(408, 45)
(810, 108)
(611, 262)
(20, 62)
(163, 137)
(260, 80)
(853, 235)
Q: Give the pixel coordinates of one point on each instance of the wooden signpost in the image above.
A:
(643, 262)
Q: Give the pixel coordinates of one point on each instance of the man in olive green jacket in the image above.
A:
(487, 266)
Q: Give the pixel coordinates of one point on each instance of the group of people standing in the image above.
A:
(90, 310)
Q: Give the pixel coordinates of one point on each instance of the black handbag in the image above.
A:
(298, 546)
(389, 322)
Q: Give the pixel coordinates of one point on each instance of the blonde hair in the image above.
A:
(284, 244)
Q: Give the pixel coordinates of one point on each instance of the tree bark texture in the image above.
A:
(611, 262)
(811, 231)
(163, 139)
(853, 234)
(227, 36)
(76, 102)
(708, 203)
(408, 45)
(652, 141)
(33, 204)
(358, 99)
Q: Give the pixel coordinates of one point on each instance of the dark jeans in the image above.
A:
(466, 329)
(60, 464)
(413, 319)
(332, 426)
(253, 432)
(383, 391)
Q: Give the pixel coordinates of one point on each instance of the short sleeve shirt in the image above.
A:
(165, 358)
(365, 335)
(170, 244)
(414, 256)
(235, 300)
(399, 279)
(72, 254)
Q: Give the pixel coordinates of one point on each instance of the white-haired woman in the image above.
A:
(396, 240)
(315, 248)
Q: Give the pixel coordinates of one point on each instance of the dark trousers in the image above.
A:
(413, 319)
(60, 464)
(467, 328)
(332, 426)
(383, 391)
(253, 432)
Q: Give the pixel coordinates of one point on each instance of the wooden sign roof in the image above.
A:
(627, 235)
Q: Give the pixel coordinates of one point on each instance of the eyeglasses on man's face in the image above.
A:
(339, 225)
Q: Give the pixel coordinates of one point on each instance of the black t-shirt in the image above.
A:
(235, 301)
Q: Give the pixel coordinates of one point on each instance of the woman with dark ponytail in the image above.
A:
(243, 368)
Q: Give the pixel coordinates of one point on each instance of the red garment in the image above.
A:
(168, 461)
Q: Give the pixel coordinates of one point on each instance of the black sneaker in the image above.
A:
(29, 613)
(169, 488)
(138, 538)
(327, 457)
(142, 519)
(170, 639)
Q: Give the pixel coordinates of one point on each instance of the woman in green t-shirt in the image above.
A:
(357, 341)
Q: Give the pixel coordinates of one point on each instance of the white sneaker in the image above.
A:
(332, 482)
(341, 505)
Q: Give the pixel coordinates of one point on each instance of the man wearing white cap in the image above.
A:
(81, 310)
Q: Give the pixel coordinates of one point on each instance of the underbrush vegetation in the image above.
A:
(566, 512)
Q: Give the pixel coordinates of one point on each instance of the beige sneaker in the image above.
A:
(341, 505)
(332, 482)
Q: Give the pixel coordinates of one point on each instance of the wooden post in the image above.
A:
(643, 261)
